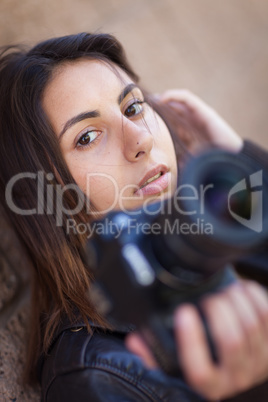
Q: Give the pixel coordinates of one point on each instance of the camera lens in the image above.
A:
(218, 201)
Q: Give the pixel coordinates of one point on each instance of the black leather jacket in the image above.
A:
(97, 367)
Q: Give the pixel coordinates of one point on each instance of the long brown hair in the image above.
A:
(28, 144)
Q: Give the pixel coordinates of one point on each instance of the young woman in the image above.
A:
(79, 137)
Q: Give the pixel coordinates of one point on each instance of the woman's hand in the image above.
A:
(238, 321)
(202, 117)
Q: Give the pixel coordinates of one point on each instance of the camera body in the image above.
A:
(178, 250)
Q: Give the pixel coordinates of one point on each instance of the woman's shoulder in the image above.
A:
(97, 367)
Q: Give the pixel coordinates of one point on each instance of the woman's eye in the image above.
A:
(134, 109)
(87, 138)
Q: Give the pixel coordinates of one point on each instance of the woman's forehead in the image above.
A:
(92, 78)
(88, 69)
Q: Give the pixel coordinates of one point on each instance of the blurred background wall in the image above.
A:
(218, 49)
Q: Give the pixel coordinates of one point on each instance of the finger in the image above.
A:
(206, 119)
(230, 340)
(251, 304)
(185, 102)
(259, 299)
(194, 353)
(137, 346)
(252, 326)
(183, 96)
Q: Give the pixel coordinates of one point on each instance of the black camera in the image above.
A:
(148, 261)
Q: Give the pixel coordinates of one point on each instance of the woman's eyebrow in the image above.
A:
(95, 113)
(77, 119)
(126, 91)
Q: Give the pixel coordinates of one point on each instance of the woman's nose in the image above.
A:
(137, 140)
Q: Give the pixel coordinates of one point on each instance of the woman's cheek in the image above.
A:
(102, 190)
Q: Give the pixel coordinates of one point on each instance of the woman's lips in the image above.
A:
(154, 182)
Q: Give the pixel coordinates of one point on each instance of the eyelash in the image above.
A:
(94, 141)
(136, 102)
(91, 143)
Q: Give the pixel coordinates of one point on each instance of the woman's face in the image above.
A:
(117, 148)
